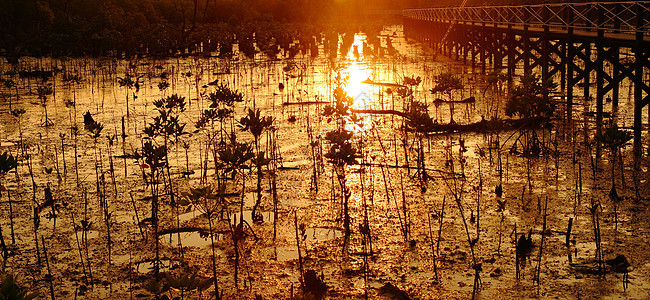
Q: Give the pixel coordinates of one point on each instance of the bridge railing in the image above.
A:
(615, 17)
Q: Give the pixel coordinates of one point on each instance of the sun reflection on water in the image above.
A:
(356, 72)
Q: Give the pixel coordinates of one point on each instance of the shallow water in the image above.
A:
(313, 218)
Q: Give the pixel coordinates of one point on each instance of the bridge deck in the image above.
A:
(620, 22)
(622, 39)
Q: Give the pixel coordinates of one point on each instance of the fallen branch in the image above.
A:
(304, 103)
(368, 81)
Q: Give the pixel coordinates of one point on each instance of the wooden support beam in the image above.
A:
(569, 75)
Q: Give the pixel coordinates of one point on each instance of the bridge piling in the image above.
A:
(555, 40)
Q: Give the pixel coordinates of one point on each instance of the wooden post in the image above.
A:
(638, 82)
(525, 43)
(617, 81)
(600, 76)
(587, 69)
(483, 45)
(512, 49)
(569, 76)
(545, 42)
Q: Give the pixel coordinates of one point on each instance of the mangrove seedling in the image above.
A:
(9, 289)
(257, 125)
(447, 83)
(206, 200)
(43, 92)
(7, 163)
(530, 98)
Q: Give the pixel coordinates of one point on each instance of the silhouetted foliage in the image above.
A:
(530, 98)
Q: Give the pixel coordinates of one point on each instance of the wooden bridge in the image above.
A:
(567, 41)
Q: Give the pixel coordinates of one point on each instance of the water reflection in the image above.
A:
(356, 72)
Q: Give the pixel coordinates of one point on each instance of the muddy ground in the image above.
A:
(464, 170)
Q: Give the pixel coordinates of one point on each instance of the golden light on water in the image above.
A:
(356, 72)
(360, 92)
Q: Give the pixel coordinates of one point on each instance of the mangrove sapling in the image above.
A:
(85, 227)
(447, 83)
(614, 139)
(9, 83)
(257, 125)
(433, 252)
(313, 144)
(43, 92)
(419, 121)
(595, 221)
(7, 163)
(75, 132)
(9, 289)
(81, 257)
(273, 171)
(18, 114)
(128, 82)
(222, 102)
(167, 124)
(342, 152)
(416, 110)
(541, 243)
(365, 227)
(236, 158)
(501, 208)
(300, 267)
(152, 158)
(441, 217)
(65, 168)
(5, 252)
(49, 271)
(37, 222)
(517, 258)
(210, 203)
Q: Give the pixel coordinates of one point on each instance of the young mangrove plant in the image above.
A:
(151, 159)
(43, 92)
(342, 152)
(168, 125)
(530, 100)
(10, 289)
(7, 163)
(236, 158)
(128, 83)
(446, 84)
(614, 139)
(257, 125)
(207, 200)
(222, 103)
(420, 122)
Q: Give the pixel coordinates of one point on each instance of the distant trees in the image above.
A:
(156, 27)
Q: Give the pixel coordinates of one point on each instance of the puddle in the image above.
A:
(323, 234)
(267, 216)
(188, 239)
(284, 253)
(290, 252)
(189, 215)
(148, 266)
(296, 164)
